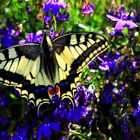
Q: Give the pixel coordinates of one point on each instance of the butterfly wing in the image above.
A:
(73, 52)
(26, 67)
(14, 61)
(21, 67)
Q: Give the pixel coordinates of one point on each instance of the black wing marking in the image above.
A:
(14, 60)
(73, 52)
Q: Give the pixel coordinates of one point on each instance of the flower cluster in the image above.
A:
(54, 7)
(9, 35)
(122, 20)
(88, 8)
(32, 38)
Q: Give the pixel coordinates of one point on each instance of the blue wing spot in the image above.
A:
(43, 89)
(37, 91)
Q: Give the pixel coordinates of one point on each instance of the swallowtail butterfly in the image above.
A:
(42, 72)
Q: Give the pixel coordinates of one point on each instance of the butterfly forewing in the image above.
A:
(14, 61)
(73, 52)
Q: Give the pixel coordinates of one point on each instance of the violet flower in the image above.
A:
(81, 97)
(75, 114)
(53, 11)
(53, 34)
(54, 5)
(9, 35)
(91, 65)
(107, 97)
(113, 64)
(21, 134)
(47, 19)
(62, 17)
(47, 128)
(107, 64)
(4, 135)
(123, 20)
(32, 37)
(88, 8)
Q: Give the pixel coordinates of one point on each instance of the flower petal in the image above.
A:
(55, 126)
(105, 67)
(120, 25)
(69, 115)
(47, 131)
(76, 116)
(113, 18)
(130, 24)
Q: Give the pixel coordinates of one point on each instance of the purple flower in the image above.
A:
(59, 113)
(47, 19)
(54, 35)
(81, 97)
(9, 35)
(91, 65)
(113, 64)
(54, 12)
(75, 114)
(8, 41)
(123, 20)
(88, 8)
(72, 115)
(3, 101)
(4, 135)
(116, 91)
(54, 5)
(5, 120)
(62, 17)
(32, 37)
(28, 8)
(133, 65)
(107, 63)
(45, 129)
(136, 114)
(104, 66)
(20, 134)
(55, 99)
(107, 98)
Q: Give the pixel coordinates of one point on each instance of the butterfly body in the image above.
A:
(43, 72)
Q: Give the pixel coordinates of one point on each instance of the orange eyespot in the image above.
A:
(50, 91)
(57, 89)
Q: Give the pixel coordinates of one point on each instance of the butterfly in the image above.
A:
(49, 72)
